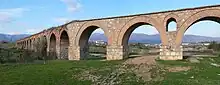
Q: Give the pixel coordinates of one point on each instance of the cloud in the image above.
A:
(9, 15)
(72, 5)
(62, 20)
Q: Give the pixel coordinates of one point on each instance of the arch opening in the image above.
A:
(200, 36)
(93, 43)
(171, 25)
(141, 39)
(64, 45)
(31, 46)
(52, 49)
(208, 18)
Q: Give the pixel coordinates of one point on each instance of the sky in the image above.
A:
(32, 16)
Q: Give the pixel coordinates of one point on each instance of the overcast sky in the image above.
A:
(32, 16)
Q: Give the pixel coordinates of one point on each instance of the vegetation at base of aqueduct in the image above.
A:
(109, 72)
(16, 70)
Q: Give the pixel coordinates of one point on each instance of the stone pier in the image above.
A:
(168, 53)
(171, 51)
(117, 52)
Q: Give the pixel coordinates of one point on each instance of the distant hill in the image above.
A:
(135, 37)
(197, 38)
(155, 39)
(12, 38)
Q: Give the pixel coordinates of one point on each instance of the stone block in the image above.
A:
(173, 53)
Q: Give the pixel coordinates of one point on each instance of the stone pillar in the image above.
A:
(26, 45)
(117, 52)
(58, 49)
(64, 45)
(29, 45)
(48, 47)
(171, 51)
(168, 53)
(77, 53)
(32, 45)
(73, 53)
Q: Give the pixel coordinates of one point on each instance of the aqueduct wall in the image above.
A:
(70, 41)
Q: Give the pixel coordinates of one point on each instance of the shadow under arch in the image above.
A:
(52, 47)
(64, 45)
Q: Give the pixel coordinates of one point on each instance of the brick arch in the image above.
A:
(169, 18)
(209, 14)
(63, 29)
(55, 33)
(60, 34)
(142, 20)
(85, 27)
(52, 33)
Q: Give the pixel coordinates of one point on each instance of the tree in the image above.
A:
(40, 48)
(214, 45)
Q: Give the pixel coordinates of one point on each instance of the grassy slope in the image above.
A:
(57, 73)
(201, 73)
(53, 73)
(64, 73)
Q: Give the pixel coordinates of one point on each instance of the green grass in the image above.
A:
(202, 73)
(60, 73)
(79, 72)
(52, 73)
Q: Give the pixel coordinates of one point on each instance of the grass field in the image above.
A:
(107, 73)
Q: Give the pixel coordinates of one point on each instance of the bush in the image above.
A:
(215, 46)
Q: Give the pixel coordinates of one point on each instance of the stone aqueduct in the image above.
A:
(70, 41)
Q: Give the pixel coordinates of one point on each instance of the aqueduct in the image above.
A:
(70, 41)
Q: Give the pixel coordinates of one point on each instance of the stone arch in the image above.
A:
(64, 44)
(169, 21)
(138, 21)
(83, 36)
(87, 25)
(52, 47)
(209, 14)
(169, 18)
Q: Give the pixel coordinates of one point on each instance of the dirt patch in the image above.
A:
(148, 60)
(146, 68)
(136, 69)
(178, 69)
